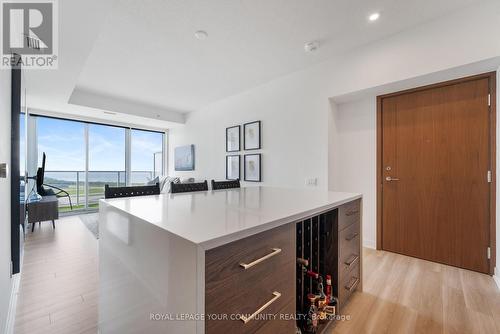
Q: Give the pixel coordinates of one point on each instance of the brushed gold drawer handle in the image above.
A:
(353, 285)
(352, 261)
(246, 320)
(351, 213)
(352, 236)
(275, 251)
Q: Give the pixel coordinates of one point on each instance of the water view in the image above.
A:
(74, 183)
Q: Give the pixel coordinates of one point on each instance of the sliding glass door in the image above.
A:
(83, 157)
(106, 163)
(146, 155)
(64, 144)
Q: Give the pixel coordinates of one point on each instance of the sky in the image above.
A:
(64, 144)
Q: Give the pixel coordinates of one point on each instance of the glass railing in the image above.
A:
(74, 183)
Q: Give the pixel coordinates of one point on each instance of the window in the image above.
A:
(106, 160)
(146, 155)
(83, 157)
(64, 144)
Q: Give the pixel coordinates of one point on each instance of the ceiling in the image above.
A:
(145, 52)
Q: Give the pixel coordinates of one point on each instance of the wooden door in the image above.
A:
(434, 173)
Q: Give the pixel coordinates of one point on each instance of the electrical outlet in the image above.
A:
(313, 182)
(4, 170)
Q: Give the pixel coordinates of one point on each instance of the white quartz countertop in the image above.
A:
(213, 218)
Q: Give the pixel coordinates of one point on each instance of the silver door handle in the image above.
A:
(389, 179)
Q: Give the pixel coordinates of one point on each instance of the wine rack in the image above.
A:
(315, 242)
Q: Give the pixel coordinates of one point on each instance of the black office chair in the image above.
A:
(188, 187)
(216, 185)
(133, 191)
(42, 191)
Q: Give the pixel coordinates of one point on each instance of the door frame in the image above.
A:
(492, 76)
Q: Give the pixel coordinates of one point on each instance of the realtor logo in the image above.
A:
(29, 34)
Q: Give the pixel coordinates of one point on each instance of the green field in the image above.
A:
(66, 208)
(93, 190)
(95, 193)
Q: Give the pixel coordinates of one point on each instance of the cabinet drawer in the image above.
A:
(349, 284)
(280, 326)
(268, 280)
(349, 213)
(349, 252)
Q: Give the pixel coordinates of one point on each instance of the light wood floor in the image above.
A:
(58, 289)
(58, 292)
(407, 295)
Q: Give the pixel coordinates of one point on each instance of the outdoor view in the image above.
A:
(64, 143)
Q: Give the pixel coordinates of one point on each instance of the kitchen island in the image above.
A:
(217, 261)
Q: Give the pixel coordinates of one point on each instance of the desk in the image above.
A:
(43, 210)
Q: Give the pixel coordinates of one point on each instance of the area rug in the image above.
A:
(91, 221)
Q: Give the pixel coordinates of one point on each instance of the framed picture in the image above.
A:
(233, 138)
(184, 158)
(251, 137)
(253, 167)
(233, 167)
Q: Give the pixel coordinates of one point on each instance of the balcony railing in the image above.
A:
(74, 183)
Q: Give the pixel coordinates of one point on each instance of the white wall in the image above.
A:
(294, 135)
(305, 135)
(354, 168)
(5, 280)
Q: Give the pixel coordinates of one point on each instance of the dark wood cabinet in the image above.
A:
(347, 253)
(252, 277)
(338, 239)
(258, 276)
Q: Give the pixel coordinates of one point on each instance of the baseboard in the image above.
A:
(369, 244)
(14, 291)
(11, 316)
(496, 277)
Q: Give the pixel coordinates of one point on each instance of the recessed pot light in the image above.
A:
(374, 17)
(201, 34)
